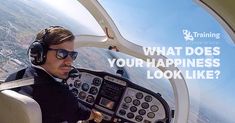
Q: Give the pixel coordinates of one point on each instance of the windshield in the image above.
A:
(151, 23)
(22, 19)
(184, 24)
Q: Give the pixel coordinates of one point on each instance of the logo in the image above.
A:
(187, 35)
(191, 36)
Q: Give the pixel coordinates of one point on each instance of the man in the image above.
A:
(52, 55)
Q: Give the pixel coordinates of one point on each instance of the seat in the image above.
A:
(18, 108)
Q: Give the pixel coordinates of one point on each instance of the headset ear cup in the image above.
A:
(37, 53)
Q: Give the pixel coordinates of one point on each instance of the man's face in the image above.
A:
(59, 67)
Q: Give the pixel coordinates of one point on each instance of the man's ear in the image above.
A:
(37, 53)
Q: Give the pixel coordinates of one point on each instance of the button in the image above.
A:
(77, 83)
(130, 115)
(93, 90)
(128, 99)
(145, 105)
(90, 99)
(147, 121)
(154, 108)
(70, 85)
(148, 98)
(125, 106)
(142, 112)
(122, 112)
(133, 109)
(138, 118)
(115, 120)
(85, 86)
(151, 115)
(75, 91)
(139, 95)
(82, 95)
(96, 81)
(136, 102)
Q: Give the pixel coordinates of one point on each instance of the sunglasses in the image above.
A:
(62, 53)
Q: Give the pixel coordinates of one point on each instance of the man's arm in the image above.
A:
(96, 116)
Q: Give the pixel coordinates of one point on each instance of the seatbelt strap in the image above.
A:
(16, 83)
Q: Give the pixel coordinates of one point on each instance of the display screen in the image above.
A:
(106, 103)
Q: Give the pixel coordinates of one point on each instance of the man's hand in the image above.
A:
(96, 116)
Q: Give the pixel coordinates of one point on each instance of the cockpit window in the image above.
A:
(184, 24)
(22, 19)
(147, 23)
(83, 22)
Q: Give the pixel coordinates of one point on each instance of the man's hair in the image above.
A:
(54, 35)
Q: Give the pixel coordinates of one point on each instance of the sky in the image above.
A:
(72, 8)
(158, 23)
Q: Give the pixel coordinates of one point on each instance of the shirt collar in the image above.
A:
(55, 78)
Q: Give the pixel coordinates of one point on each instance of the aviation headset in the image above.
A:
(37, 51)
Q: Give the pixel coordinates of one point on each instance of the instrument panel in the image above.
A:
(118, 99)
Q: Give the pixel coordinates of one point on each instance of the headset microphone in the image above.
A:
(74, 72)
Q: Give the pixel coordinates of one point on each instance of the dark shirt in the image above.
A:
(57, 102)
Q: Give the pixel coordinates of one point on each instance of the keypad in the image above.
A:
(85, 87)
(140, 107)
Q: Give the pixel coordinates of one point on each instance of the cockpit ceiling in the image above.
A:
(224, 10)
